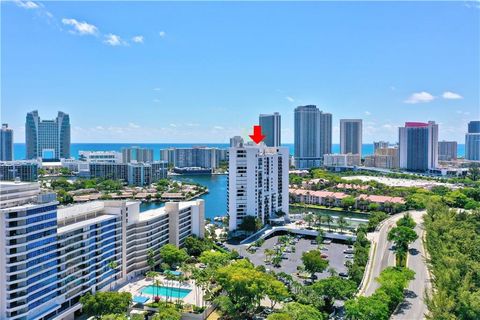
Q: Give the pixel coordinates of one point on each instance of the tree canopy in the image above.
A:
(106, 303)
(172, 255)
(314, 262)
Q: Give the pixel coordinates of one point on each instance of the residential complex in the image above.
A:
(341, 160)
(137, 174)
(6, 143)
(271, 129)
(47, 139)
(313, 136)
(447, 150)
(24, 170)
(418, 146)
(257, 182)
(101, 156)
(351, 136)
(54, 256)
(137, 154)
(384, 157)
(195, 157)
(472, 141)
(379, 145)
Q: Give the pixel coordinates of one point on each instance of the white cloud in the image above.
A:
(114, 40)
(420, 97)
(218, 128)
(137, 39)
(290, 99)
(173, 125)
(81, 28)
(157, 89)
(451, 95)
(27, 4)
(133, 125)
(162, 34)
(367, 113)
(156, 100)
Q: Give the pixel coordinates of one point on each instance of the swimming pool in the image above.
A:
(164, 291)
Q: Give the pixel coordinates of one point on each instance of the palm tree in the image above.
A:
(342, 223)
(318, 219)
(308, 219)
(329, 221)
(169, 277)
(112, 265)
(153, 275)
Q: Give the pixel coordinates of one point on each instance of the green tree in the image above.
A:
(406, 221)
(151, 259)
(314, 262)
(297, 311)
(334, 288)
(250, 224)
(245, 287)
(375, 218)
(214, 259)
(401, 237)
(366, 308)
(195, 246)
(172, 255)
(348, 202)
(103, 303)
(167, 312)
(114, 317)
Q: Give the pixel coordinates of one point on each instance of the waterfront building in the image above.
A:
(447, 150)
(271, 129)
(101, 156)
(135, 173)
(195, 157)
(137, 154)
(386, 158)
(6, 143)
(80, 168)
(47, 139)
(25, 170)
(351, 136)
(313, 136)
(379, 145)
(341, 160)
(472, 146)
(257, 182)
(418, 146)
(54, 256)
(472, 141)
(474, 126)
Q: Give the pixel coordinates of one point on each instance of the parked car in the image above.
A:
(348, 251)
(323, 255)
(313, 242)
(327, 241)
(343, 275)
(349, 256)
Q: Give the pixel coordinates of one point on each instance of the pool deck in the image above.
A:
(136, 285)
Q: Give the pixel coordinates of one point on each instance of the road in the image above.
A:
(413, 306)
(383, 255)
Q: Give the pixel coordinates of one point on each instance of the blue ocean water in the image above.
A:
(19, 148)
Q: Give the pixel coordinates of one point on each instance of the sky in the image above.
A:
(203, 71)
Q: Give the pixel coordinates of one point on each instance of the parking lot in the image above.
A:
(334, 251)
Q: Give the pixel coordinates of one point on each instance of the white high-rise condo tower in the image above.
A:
(257, 183)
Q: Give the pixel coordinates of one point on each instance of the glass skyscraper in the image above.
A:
(6, 143)
(313, 136)
(418, 144)
(47, 139)
(472, 141)
(351, 136)
(271, 128)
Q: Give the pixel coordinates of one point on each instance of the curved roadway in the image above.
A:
(413, 307)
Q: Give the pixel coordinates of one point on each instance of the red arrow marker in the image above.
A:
(257, 135)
